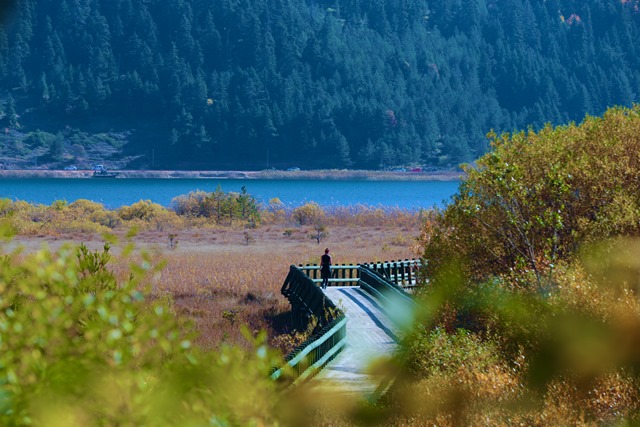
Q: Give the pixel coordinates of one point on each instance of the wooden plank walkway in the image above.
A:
(370, 335)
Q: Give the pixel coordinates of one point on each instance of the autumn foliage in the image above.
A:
(538, 197)
(79, 347)
(533, 269)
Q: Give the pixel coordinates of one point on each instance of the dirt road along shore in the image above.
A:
(268, 174)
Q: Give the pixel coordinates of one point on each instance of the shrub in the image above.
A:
(87, 216)
(460, 365)
(192, 205)
(218, 205)
(537, 197)
(566, 356)
(5, 207)
(77, 347)
(87, 209)
(309, 213)
(146, 214)
(144, 210)
(512, 259)
(26, 218)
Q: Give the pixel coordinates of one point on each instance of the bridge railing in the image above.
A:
(398, 305)
(390, 294)
(401, 272)
(308, 301)
(341, 274)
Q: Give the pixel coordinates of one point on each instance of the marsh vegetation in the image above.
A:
(529, 305)
(224, 257)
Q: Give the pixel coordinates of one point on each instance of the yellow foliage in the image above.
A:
(310, 213)
(538, 256)
(80, 348)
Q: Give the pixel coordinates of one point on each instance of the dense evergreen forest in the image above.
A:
(255, 84)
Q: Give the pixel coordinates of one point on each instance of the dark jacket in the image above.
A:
(325, 265)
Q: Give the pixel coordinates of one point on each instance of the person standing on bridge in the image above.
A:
(325, 268)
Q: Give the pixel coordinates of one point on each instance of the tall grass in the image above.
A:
(226, 273)
(216, 277)
(222, 291)
(195, 210)
(221, 282)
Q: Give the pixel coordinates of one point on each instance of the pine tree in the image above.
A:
(56, 147)
(10, 112)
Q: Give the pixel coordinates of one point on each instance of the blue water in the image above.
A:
(114, 193)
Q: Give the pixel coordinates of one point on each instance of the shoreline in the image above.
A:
(268, 174)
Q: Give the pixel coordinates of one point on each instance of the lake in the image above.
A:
(114, 193)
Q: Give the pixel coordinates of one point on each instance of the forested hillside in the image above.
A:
(317, 84)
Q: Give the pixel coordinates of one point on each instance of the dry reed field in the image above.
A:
(225, 256)
(222, 278)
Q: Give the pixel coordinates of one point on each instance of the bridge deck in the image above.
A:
(370, 335)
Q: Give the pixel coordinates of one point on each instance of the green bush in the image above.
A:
(440, 352)
(221, 206)
(538, 256)
(537, 197)
(79, 348)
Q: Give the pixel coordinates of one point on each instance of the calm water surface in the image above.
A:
(114, 193)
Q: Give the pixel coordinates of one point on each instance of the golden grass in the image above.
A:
(221, 282)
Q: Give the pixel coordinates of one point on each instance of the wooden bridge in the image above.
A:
(401, 272)
(356, 324)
